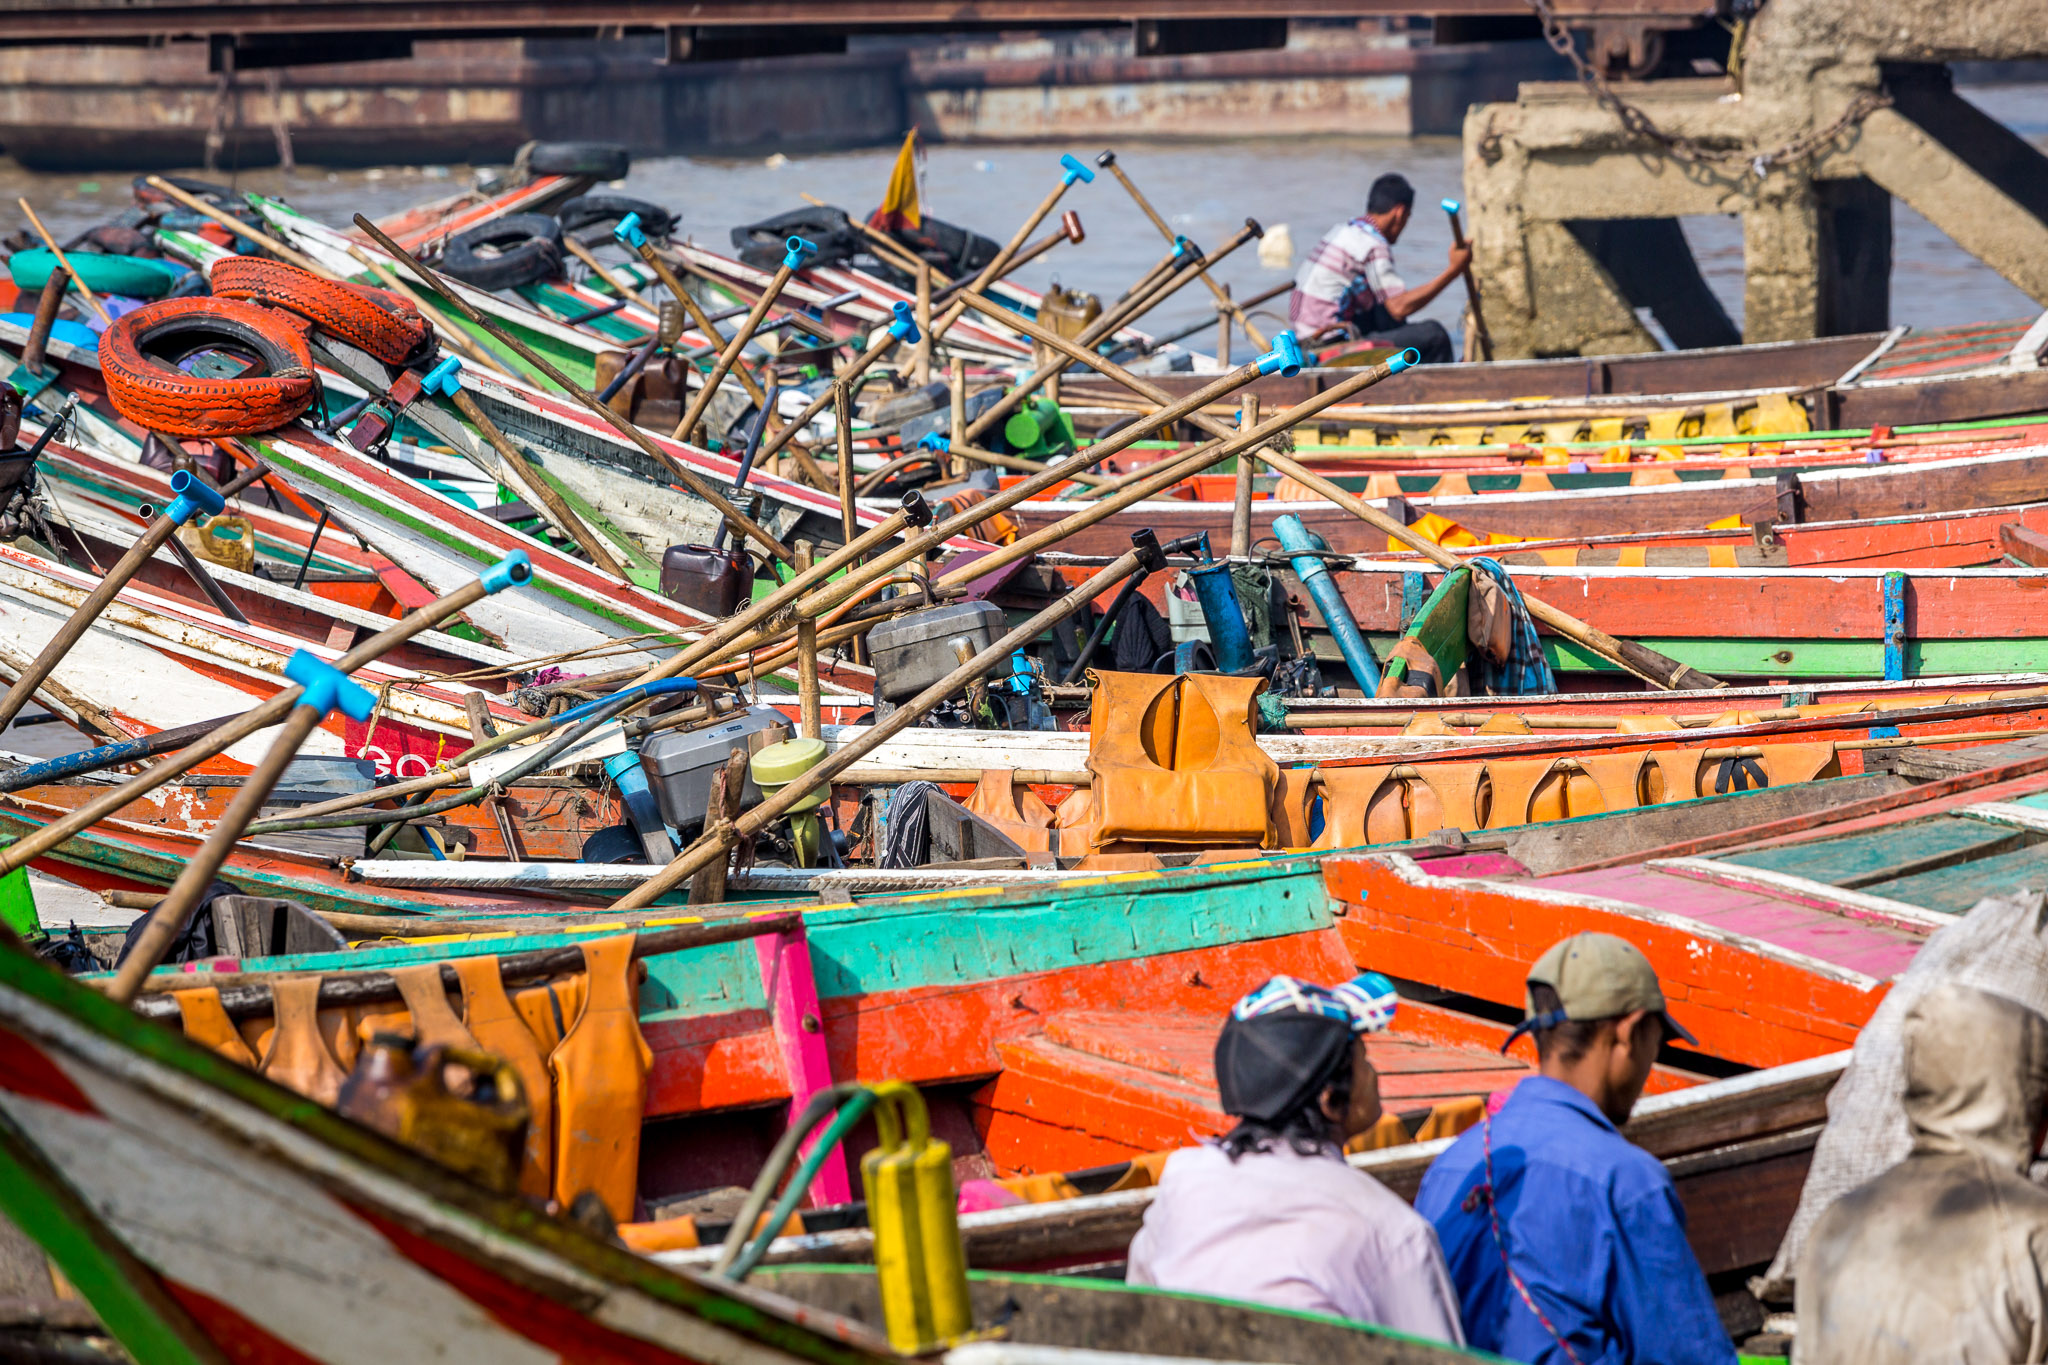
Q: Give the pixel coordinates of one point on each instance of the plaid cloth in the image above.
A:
(1365, 1002)
(1525, 672)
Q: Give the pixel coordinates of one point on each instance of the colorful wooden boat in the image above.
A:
(302, 1236)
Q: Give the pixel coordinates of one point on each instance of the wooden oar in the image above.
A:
(1638, 659)
(792, 260)
(1071, 170)
(511, 570)
(1105, 326)
(688, 477)
(1450, 207)
(445, 379)
(1108, 162)
(192, 496)
(716, 845)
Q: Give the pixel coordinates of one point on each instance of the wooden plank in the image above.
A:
(1955, 889)
(1862, 860)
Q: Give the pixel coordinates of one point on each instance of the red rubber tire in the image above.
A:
(138, 358)
(376, 320)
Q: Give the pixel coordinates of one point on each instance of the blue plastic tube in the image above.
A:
(1296, 540)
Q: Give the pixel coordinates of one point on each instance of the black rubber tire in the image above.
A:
(602, 210)
(599, 160)
(529, 248)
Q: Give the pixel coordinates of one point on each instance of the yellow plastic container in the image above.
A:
(920, 1264)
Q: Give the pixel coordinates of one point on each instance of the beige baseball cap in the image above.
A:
(1599, 976)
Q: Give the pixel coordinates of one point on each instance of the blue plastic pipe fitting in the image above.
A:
(1402, 360)
(326, 688)
(1075, 171)
(445, 378)
(193, 495)
(513, 571)
(1284, 358)
(904, 325)
(797, 250)
(630, 232)
(1297, 541)
(1450, 206)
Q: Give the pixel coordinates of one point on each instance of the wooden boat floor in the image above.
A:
(1093, 1086)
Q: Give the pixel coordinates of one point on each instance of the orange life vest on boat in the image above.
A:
(1175, 761)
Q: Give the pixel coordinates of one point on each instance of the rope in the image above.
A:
(1484, 1194)
(1686, 149)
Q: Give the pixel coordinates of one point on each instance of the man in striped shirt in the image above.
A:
(1348, 280)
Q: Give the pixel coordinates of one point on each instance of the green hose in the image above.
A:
(850, 1113)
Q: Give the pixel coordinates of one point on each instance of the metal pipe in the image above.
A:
(1295, 540)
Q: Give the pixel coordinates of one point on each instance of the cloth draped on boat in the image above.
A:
(2000, 946)
(899, 208)
(906, 828)
(1507, 657)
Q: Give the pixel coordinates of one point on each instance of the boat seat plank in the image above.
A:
(1862, 860)
(1863, 945)
(1953, 890)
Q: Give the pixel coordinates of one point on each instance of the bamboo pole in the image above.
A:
(812, 722)
(192, 497)
(702, 321)
(556, 506)
(1479, 332)
(689, 478)
(64, 263)
(1070, 230)
(999, 264)
(1106, 325)
(1241, 501)
(842, 420)
(597, 268)
(791, 261)
(921, 358)
(1108, 162)
(514, 569)
(716, 844)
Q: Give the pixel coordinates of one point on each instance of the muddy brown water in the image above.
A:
(1205, 190)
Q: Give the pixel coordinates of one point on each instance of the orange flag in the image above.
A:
(899, 202)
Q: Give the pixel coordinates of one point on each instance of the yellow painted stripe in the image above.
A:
(965, 891)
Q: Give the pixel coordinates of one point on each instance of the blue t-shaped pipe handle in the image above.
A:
(1075, 171)
(514, 570)
(798, 249)
(328, 688)
(904, 326)
(630, 232)
(1284, 357)
(1450, 206)
(445, 378)
(193, 495)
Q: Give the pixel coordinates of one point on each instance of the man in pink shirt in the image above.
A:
(1271, 1212)
(1348, 280)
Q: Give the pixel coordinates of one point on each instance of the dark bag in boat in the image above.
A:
(762, 245)
(706, 579)
(195, 944)
(951, 248)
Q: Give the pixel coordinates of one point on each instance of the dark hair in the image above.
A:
(1568, 1041)
(1390, 191)
(1308, 1130)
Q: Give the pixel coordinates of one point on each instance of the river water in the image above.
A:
(1204, 189)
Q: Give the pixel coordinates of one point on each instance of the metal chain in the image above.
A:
(1686, 149)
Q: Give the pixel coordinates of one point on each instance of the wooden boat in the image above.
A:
(112, 1130)
(1736, 1149)
(1901, 378)
(1850, 891)
(2006, 478)
(1826, 622)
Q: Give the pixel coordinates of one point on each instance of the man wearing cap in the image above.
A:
(1271, 1212)
(1567, 1241)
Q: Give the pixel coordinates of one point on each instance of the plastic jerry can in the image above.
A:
(920, 1265)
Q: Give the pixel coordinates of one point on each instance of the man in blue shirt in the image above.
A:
(1565, 1240)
